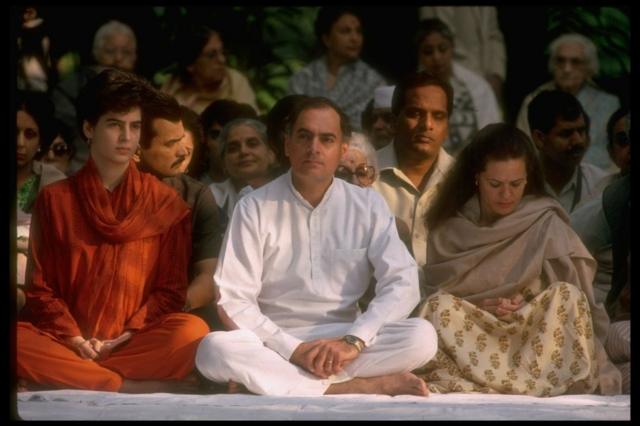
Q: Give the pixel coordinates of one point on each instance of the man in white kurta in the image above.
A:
(298, 254)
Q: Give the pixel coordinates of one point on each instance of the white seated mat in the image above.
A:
(93, 405)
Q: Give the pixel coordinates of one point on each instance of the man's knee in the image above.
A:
(422, 340)
(218, 349)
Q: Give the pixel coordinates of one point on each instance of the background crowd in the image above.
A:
(217, 130)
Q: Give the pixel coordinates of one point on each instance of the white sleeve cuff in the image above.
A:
(283, 343)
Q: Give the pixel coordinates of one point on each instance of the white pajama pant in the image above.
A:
(240, 356)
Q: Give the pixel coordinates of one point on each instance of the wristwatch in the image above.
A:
(355, 341)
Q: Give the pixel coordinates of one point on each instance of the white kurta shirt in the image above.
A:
(285, 264)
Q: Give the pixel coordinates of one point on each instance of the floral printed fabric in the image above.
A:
(544, 349)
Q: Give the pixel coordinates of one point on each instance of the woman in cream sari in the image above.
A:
(509, 283)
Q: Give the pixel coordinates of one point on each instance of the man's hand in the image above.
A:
(501, 305)
(324, 357)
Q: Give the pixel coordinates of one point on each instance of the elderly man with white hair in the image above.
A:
(573, 62)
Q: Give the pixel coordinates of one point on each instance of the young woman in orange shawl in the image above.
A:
(107, 277)
(509, 282)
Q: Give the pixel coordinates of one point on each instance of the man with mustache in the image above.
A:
(560, 129)
(161, 153)
(299, 253)
(414, 163)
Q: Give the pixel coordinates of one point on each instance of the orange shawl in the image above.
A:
(102, 263)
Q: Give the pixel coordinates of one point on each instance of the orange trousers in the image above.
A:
(163, 351)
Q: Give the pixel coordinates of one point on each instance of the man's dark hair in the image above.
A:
(615, 117)
(191, 123)
(223, 111)
(157, 105)
(110, 91)
(319, 103)
(550, 106)
(419, 79)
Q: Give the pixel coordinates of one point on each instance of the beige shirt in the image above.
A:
(405, 201)
(235, 87)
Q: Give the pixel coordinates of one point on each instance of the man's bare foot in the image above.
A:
(22, 386)
(233, 387)
(392, 384)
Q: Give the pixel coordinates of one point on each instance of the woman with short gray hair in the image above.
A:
(247, 159)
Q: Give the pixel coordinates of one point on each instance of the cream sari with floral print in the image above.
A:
(553, 344)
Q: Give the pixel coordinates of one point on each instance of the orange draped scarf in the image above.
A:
(102, 263)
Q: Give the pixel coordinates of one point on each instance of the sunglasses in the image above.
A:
(363, 173)
(60, 149)
(621, 139)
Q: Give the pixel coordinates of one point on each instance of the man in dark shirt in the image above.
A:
(161, 153)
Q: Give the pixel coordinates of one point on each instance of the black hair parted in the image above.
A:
(419, 79)
(319, 102)
(497, 142)
(112, 90)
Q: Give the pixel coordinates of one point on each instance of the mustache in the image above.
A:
(577, 150)
(178, 162)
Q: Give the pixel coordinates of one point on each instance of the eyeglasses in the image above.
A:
(60, 149)
(621, 139)
(364, 174)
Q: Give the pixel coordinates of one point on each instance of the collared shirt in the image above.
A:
(226, 195)
(592, 227)
(207, 227)
(574, 192)
(285, 264)
(408, 203)
(599, 105)
(353, 89)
